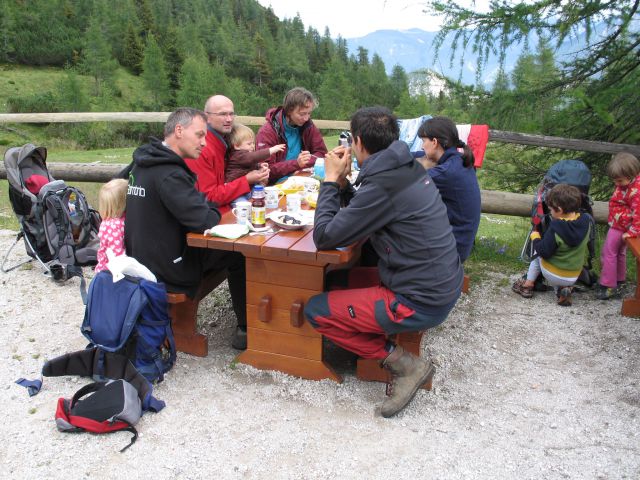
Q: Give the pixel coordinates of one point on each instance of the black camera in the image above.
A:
(345, 139)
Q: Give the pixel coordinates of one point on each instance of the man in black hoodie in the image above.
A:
(419, 276)
(163, 206)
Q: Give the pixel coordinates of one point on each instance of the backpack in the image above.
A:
(101, 407)
(119, 397)
(70, 225)
(59, 228)
(131, 317)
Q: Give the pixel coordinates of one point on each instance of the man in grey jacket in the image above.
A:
(418, 279)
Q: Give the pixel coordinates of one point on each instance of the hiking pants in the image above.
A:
(359, 312)
(613, 259)
(536, 268)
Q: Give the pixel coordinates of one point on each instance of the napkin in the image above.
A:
(230, 230)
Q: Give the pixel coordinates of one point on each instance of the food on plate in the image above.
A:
(297, 184)
(289, 220)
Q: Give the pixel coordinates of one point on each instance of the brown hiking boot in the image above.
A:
(408, 374)
(564, 297)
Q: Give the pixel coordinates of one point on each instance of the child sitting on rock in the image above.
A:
(560, 253)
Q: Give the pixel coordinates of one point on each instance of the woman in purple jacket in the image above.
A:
(291, 124)
(449, 162)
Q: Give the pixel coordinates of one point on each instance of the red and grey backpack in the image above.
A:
(114, 403)
(101, 407)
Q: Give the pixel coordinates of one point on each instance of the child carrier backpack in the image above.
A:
(571, 172)
(130, 317)
(59, 228)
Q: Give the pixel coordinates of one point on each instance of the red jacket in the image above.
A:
(209, 168)
(624, 208)
(241, 162)
(272, 133)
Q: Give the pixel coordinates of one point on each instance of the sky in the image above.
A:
(356, 18)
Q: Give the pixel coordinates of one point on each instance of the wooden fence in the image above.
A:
(504, 203)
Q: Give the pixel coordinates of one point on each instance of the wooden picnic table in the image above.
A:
(284, 269)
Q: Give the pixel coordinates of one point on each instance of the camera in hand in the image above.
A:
(345, 139)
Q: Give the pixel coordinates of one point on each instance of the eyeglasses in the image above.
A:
(222, 114)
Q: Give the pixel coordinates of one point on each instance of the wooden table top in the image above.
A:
(294, 246)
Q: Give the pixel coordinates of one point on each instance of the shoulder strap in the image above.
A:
(87, 389)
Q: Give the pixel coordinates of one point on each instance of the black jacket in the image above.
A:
(398, 207)
(162, 207)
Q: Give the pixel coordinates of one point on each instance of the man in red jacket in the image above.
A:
(209, 166)
(291, 124)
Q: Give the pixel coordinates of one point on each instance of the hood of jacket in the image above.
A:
(391, 158)
(275, 116)
(573, 231)
(155, 154)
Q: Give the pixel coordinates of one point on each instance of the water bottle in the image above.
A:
(318, 168)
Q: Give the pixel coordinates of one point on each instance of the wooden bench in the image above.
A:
(631, 306)
(184, 316)
(370, 370)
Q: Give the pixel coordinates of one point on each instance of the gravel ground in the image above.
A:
(524, 389)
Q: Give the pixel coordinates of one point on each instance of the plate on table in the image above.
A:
(298, 184)
(289, 220)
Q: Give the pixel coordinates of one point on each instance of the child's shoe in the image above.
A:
(605, 293)
(564, 297)
(520, 289)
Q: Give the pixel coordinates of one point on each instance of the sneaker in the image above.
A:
(520, 289)
(564, 297)
(239, 341)
(605, 293)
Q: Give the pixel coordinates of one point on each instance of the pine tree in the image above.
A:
(97, 59)
(198, 81)
(133, 51)
(154, 73)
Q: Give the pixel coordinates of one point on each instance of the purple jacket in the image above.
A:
(272, 133)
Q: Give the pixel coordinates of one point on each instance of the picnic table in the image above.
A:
(284, 269)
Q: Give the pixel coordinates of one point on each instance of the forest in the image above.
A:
(181, 51)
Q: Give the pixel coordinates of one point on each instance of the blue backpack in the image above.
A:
(130, 317)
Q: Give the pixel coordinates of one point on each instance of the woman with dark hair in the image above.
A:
(449, 162)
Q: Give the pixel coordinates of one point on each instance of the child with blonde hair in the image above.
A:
(624, 170)
(111, 205)
(243, 156)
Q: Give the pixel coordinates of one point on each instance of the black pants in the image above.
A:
(233, 262)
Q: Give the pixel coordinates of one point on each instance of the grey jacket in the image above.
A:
(398, 207)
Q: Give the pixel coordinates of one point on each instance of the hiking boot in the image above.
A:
(239, 341)
(520, 289)
(408, 374)
(605, 293)
(564, 297)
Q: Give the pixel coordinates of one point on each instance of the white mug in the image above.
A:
(242, 212)
(272, 196)
(294, 201)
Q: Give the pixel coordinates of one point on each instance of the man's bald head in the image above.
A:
(220, 113)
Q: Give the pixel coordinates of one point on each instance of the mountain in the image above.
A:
(413, 49)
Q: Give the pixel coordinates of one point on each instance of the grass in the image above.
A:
(23, 81)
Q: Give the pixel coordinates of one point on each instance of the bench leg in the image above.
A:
(184, 323)
(370, 370)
